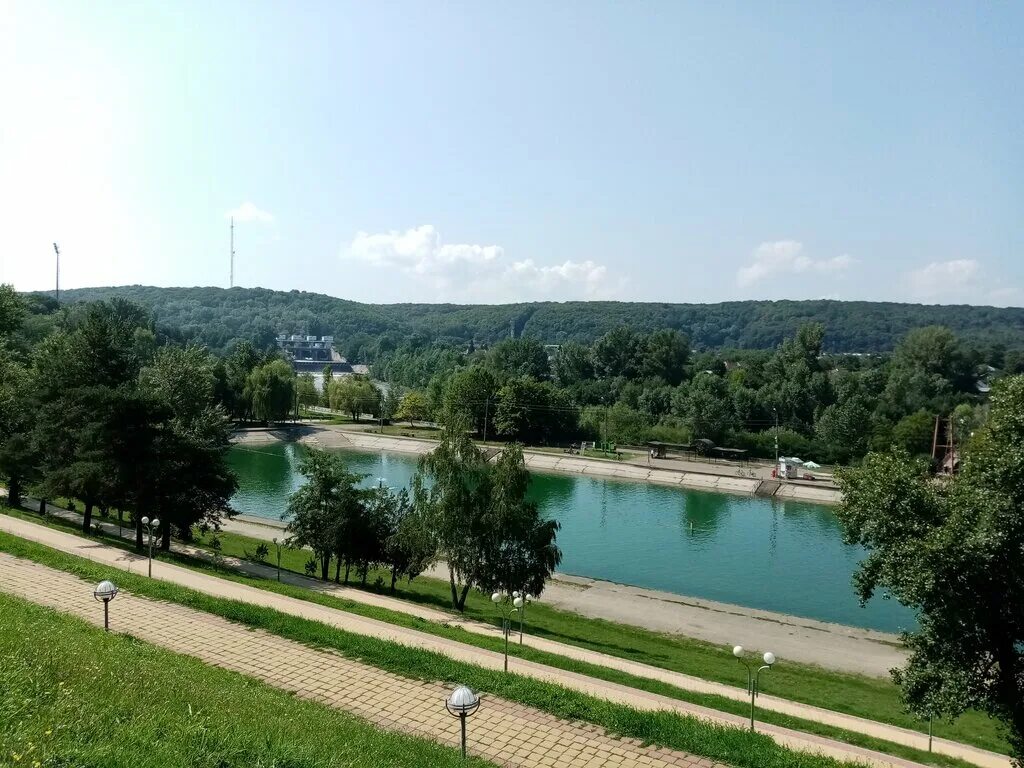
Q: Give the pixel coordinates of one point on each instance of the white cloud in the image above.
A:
(945, 279)
(249, 212)
(420, 251)
(559, 279)
(786, 257)
(468, 271)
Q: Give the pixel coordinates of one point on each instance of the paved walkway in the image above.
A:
(831, 646)
(99, 552)
(501, 731)
(720, 476)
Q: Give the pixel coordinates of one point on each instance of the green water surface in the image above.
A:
(775, 555)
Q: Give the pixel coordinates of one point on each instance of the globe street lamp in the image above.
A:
(105, 591)
(506, 607)
(520, 600)
(277, 545)
(462, 704)
(753, 677)
(151, 525)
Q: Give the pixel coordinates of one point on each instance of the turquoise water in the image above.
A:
(775, 555)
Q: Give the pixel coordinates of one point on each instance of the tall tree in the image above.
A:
(271, 390)
(512, 358)
(518, 549)
(471, 392)
(952, 552)
(413, 407)
(451, 489)
(194, 481)
(665, 354)
(323, 511)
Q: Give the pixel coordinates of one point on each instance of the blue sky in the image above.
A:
(491, 152)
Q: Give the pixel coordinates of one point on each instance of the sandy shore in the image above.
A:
(833, 646)
(723, 477)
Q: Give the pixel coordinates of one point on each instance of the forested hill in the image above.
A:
(216, 316)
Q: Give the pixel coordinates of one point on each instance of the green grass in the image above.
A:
(671, 730)
(241, 544)
(868, 697)
(74, 695)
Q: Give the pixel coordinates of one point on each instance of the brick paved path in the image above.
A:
(501, 731)
(99, 552)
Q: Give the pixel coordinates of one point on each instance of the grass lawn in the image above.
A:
(74, 695)
(425, 665)
(868, 697)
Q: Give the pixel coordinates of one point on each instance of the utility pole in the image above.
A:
(776, 411)
(56, 292)
(231, 283)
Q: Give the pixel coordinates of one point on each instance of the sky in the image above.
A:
(485, 152)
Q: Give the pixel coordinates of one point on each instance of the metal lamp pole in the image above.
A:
(462, 703)
(753, 677)
(151, 525)
(520, 600)
(506, 608)
(105, 592)
(277, 545)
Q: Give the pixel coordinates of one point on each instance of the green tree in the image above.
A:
(471, 392)
(322, 512)
(844, 428)
(618, 353)
(408, 545)
(665, 355)
(519, 550)
(451, 489)
(573, 364)
(413, 407)
(239, 365)
(12, 311)
(535, 412)
(193, 479)
(270, 389)
(707, 407)
(305, 390)
(953, 553)
(915, 433)
(512, 358)
(17, 395)
(355, 395)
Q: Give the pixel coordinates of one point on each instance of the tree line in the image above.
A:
(95, 407)
(98, 408)
(473, 513)
(217, 318)
(630, 387)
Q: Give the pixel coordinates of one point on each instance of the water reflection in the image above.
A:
(782, 556)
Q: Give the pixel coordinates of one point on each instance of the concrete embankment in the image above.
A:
(685, 474)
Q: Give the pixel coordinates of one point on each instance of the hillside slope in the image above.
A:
(215, 316)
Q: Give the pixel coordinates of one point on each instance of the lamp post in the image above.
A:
(462, 703)
(753, 677)
(105, 591)
(506, 607)
(151, 525)
(776, 412)
(519, 601)
(277, 545)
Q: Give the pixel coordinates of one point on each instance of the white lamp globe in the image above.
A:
(496, 597)
(156, 523)
(515, 594)
(105, 590)
(518, 602)
(769, 658)
(145, 521)
(737, 651)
